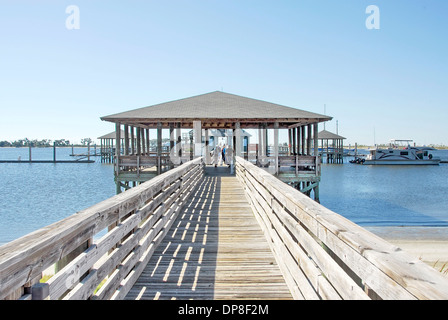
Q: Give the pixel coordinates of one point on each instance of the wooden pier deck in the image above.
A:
(215, 250)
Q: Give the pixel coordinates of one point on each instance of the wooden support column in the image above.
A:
(265, 133)
(208, 159)
(172, 138)
(172, 142)
(290, 142)
(238, 143)
(315, 144)
(276, 125)
(302, 129)
(179, 140)
(139, 145)
(316, 154)
(132, 141)
(246, 143)
(159, 148)
(293, 151)
(106, 151)
(126, 139)
(260, 145)
(148, 142)
(142, 134)
(117, 154)
(110, 150)
(308, 140)
(197, 136)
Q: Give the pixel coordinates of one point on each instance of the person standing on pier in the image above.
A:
(216, 155)
(224, 154)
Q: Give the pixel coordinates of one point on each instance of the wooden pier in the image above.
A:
(47, 161)
(215, 250)
(189, 230)
(54, 160)
(191, 233)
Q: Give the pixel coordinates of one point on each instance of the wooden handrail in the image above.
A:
(325, 256)
(137, 220)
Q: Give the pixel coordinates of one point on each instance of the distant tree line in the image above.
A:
(42, 143)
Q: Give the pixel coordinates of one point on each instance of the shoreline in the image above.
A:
(428, 244)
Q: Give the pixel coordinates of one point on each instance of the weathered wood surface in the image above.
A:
(325, 256)
(140, 160)
(215, 250)
(297, 160)
(137, 221)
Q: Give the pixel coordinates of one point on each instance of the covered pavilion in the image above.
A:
(332, 146)
(218, 110)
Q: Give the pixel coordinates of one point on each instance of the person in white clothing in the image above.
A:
(216, 155)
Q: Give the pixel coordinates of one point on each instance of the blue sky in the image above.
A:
(378, 84)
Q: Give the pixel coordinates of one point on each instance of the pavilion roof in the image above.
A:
(217, 110)
(324, 134)
(111, 135)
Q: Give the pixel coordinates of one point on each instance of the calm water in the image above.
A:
(380, 198)
(36, 195)
(384, 199)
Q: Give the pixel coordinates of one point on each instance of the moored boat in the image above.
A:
(398, 155)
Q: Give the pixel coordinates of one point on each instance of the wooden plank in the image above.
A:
(215, 250)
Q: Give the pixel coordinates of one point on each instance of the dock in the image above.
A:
(54, 160)
(47, 161)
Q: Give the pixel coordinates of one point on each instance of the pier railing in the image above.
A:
(136, 221)
(322, 255)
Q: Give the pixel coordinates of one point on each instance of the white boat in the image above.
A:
(397, 153)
